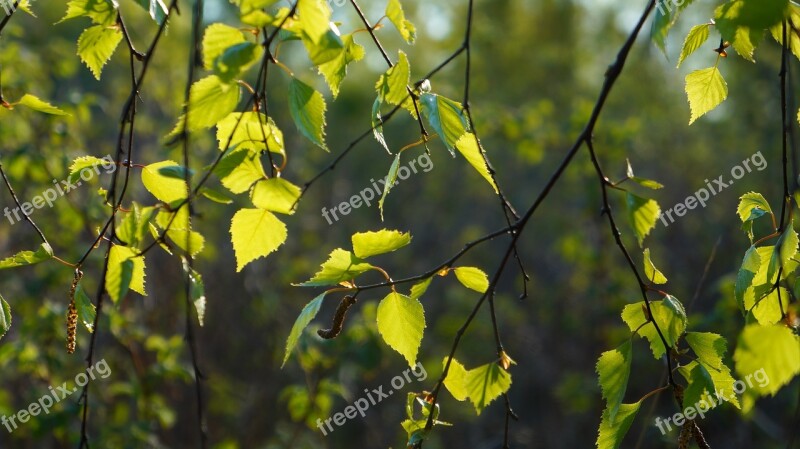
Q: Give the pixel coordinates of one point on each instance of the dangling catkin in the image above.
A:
(72, 313)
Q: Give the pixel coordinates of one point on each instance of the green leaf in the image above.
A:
(642, 215)
(125, 270)
(341, 266)
(327, 49)
(472, 278)
(706, 89)
(181, 230)
(157, 9)
(668, 313)
(197, 291)
(307, 107)
(166, 188)
(314, 18)
(377, 124)
(134, 226)
(5, 317)
(391, 179)
(251, 130)
(401, 321)
(709, 348)
(392, 86)
(35, 103)
(612, 431)
(394, 12)
(613, 370)
(697, 36)
(419, 289)
(96, 45)
(752, 202)
(218, 38)
(700, 385)
(746, 275)
(787, 248)
(335, 70)
(210, 100)
(85, 308)
(456, 380)
(756, 14)
(745, 41)
(366, 244)
(255, 233)
(306, 315)
(662, 22)
(102, 12)
(794, 23)
(89, 162)
(774, 349)
(276, 194)
(468, 146)
(486, 383)
(44, 252)
(236, 59)
(650, 271)
(446, 117)
(240, 169)
(215, 196)
(768, 310)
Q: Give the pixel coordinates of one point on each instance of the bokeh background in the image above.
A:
(537, 68)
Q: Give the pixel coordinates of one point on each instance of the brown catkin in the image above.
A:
(338, 319)
(72, 314)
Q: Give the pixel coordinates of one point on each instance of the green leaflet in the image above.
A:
(335, 70)
(102, 12)
(377, 124)
(210, 100)
(401, 322)
(276, 194)
(751, 206)
(44, 252)
(710, 348)
(469, 147)
(613, 370)
(668, 313)
(37, 104)
(96, 45)
(486, 383)
(642, 215)
(126, 271)
(89, 162)
(314, 18)
(5, 317)
(306, 315)
(341, 266)
(394, 11)
(697, 36)
(307, 107)
(255, 131)
(706, 89)
(227, 51)
(419, 289)
(86, 310)
(775, 349)
(197, 291)
(255, 233)
(366, 244)
(391, 179)
(700, 384)
(392, 86)
(612, 431)
(446, 117)
(240, 169)
(168, 189)
(651, 272)
(456, 380)
(472, 278)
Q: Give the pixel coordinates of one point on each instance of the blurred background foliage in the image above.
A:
(537, 69)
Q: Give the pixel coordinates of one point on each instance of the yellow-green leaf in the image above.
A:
(651, 272)
(307, 107)
(401, 322)
(472, 278)
(96, 45)
(770, 352)
(276, 194)
(486, 383)
(306, 315)
(255, 233)
(456, 380)
(366, 244)
(468, 146)
(706, 89)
